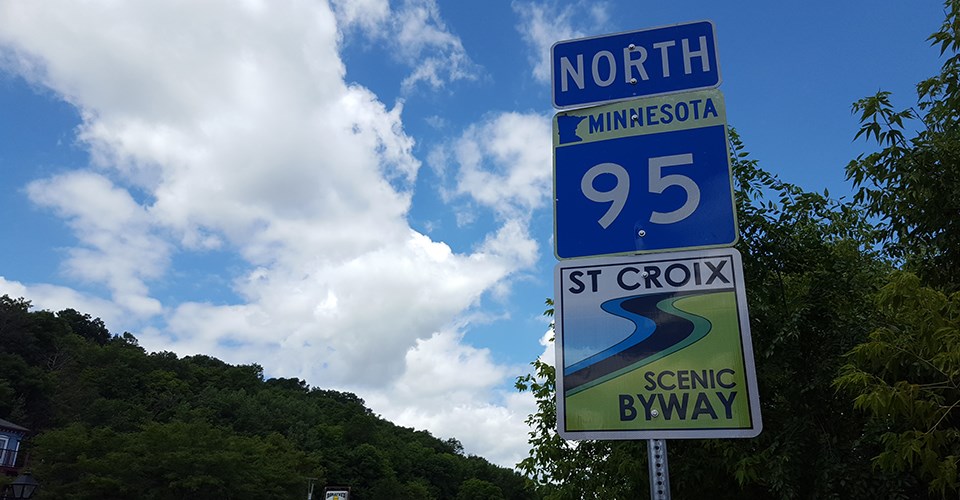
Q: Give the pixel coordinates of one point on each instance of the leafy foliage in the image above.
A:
(170, 460)
(913, 185)
(907, 376)
(810, 284)
(113, 421)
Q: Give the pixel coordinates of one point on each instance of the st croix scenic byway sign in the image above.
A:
(644, 175)
(638, 63)
(655, 347)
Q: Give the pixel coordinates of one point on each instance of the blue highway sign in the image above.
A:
(649, 62)
(640, 176)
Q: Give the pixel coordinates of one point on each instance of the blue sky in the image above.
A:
(357, 193)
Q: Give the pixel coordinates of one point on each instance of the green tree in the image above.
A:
(85, 326)
(906, 375)
(114, 421)
(166, 461)
(478, 489)
(913, 185)
(810, 284)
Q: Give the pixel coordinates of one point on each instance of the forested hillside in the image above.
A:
(110, 420)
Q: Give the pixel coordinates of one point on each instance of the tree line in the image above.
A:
(110, 420)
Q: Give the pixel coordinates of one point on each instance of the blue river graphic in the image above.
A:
(660, 329)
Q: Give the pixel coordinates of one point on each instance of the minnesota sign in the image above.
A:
(655, 347)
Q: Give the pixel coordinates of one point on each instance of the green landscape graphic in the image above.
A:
(695, 348)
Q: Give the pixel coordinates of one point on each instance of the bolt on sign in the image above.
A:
(655, 347)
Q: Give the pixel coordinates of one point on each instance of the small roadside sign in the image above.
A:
(337, 493)
(655, 347)
(645, 175)
(649, 62)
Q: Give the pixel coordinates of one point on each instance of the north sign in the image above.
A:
(648, 62)
(655, 347)
(641, 176)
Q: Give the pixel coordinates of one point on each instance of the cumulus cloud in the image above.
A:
(228, 125)
(544, 23)
(496, 166)
(366, 14)
(346, 323)
(57, 298)
(415, 34)
(447, 387)
(505, 163)
(119, 248)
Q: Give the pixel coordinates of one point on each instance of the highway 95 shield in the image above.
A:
(655, 347)
(643, 176)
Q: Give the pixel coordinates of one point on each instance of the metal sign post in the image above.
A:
(659, 469)
(310, 482)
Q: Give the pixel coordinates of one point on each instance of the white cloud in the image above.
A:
(229, 125)
(439, 391)
(506, 163)
(495, 432)
(119, 249)
(549, 351)
(57, 298)
(545, 23)
(514, 243)
(345, 323)
(503, 164)
(441, 370)
(367, 14)
(415, 34)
